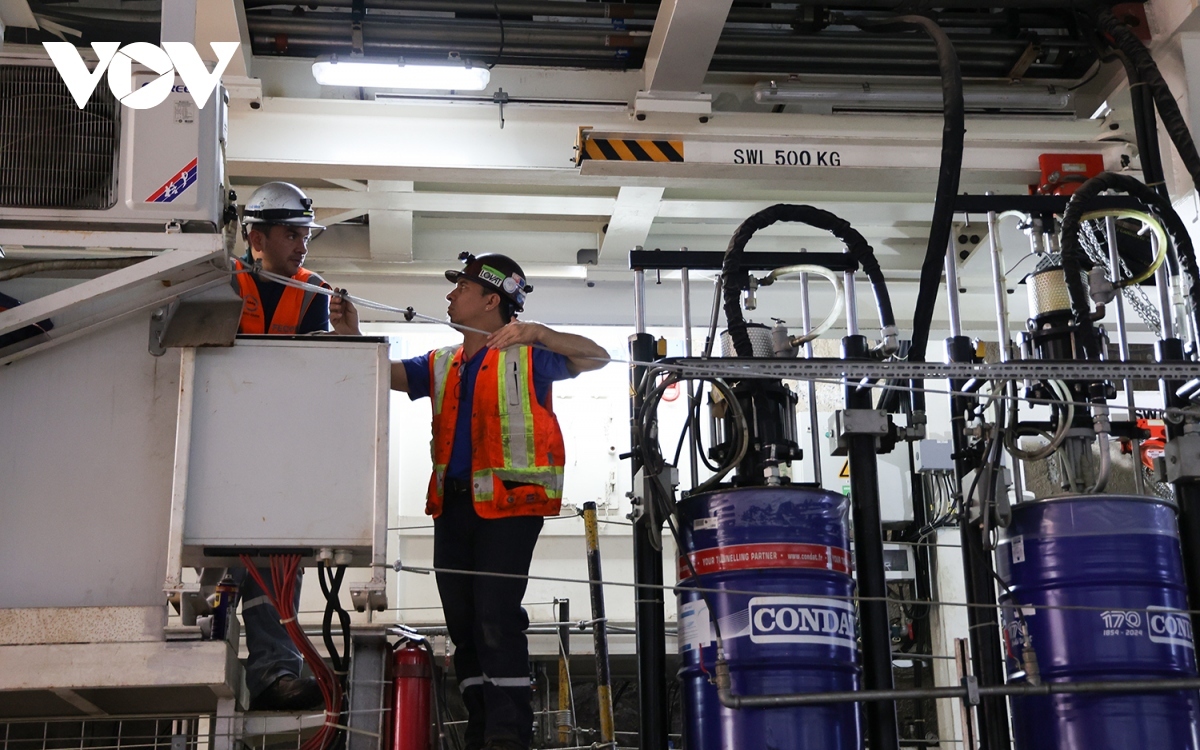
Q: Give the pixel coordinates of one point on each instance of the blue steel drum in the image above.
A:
(779, 560)
(1117, 560)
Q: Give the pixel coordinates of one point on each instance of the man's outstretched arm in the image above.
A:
(582, 353)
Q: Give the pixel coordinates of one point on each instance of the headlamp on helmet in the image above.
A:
(495, 273)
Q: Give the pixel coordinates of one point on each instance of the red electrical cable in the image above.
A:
(282, 595)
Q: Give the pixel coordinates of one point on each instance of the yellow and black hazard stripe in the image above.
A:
(625, 149)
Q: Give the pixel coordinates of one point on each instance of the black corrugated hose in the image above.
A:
(1148, 73)
(1076, 262)
(733, 277)
(953, 131)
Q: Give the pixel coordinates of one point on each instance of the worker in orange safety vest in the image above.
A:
(277, 224)
(497, 471)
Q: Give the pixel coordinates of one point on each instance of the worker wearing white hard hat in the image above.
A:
(277, 224)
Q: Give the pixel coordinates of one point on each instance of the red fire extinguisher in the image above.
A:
(412, 691)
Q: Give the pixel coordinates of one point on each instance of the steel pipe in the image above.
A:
(881, 725)
(962, 692)
(1114, 262)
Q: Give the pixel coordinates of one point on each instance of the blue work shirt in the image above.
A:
(547, 368)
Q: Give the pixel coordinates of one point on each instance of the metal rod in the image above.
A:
(881, 725)
(986, 655)
(1004, 337)
(711, 338)
(599, 635)
(639, 300)
(1162, 283)
(814, 426)
(851, 305)
(952, 291)
(1000, 285)
(1114, 263)
(564, 670)
(649, 601)
(1119, 687)
(693, 423)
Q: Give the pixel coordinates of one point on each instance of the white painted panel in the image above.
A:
(284, 440)
(86, 444)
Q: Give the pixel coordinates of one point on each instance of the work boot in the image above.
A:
(289, 693)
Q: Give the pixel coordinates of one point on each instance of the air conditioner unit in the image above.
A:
(107, 166)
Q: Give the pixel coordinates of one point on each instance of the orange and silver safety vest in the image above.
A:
(288, 313)
(517, 452)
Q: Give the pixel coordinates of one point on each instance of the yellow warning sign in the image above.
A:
(629, 149)
(845, 472)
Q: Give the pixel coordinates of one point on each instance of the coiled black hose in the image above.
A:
(733, 277)
(1076, 263)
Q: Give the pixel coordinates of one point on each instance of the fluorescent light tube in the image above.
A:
(398, 75)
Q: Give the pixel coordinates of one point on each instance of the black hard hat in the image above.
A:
(496, 273)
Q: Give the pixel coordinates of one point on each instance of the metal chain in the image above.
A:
(1095, 244)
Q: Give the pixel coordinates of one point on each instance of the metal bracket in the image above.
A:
(370, 596)
(1181, 457)
(643, 504)
(972, 685)
(845, 423)
(500, 98)
(209, 317)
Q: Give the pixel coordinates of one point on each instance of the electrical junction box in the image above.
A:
(288, 448)
(933, 455)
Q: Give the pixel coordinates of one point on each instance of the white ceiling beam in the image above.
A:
(391, 229)
(633, 214)
(201, 22)
(17, 13)
(307, 138)
(330, 218)
(355, 185)
(471, 203)
(223, 21)
(682, 44)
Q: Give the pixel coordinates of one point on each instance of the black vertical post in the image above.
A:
(882, 732)
(986, 655)
(1186, 493)
(566, 727)
(923, 631)
(649, 613)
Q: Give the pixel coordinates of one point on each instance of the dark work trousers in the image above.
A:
(270, 653)
(484, 615)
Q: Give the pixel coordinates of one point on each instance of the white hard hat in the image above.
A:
(279, 203)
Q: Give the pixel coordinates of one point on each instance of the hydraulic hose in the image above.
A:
(953, 131)
(1076, 262)
(1147, 70)
(733, 279)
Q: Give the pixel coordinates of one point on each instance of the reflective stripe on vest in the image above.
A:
(289, 313)
(516, 443)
